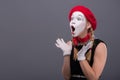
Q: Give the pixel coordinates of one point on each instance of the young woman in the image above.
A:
(84, 56)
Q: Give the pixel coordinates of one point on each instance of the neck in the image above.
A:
(77, 40)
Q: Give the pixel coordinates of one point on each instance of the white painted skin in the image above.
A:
(77, 23)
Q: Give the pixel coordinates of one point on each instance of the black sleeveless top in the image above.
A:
(74, 64)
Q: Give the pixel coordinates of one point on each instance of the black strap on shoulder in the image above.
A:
(96, 42)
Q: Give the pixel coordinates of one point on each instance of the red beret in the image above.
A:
(88, 14)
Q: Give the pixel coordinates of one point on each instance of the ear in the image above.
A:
(89, 25)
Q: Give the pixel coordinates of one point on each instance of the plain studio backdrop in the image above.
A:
(29, 29)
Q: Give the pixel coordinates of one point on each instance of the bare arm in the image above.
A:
(93, 73)
(66, 48)
(66, 68)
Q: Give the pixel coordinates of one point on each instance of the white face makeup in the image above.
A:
(77, 23)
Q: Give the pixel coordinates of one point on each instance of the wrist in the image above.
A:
(81, 58)
(66, 53)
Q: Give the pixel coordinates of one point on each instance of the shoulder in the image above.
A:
(100, 56)
(99, 40)
(99, 43)
(101, 48)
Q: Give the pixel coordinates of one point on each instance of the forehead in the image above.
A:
(78, 13)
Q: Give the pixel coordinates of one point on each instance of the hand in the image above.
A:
(65, 47)
(81, 53)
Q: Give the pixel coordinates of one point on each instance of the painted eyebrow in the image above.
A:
(80, 15)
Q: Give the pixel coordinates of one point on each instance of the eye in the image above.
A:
(79, 19)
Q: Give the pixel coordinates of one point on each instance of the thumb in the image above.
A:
(69, 43)
(89, 45)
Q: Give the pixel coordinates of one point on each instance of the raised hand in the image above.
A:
(65, 47)
(81, 53)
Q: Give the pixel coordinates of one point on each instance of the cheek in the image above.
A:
(80, 27)
(81, 24)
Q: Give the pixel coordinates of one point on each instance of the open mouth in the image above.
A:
(73, 29)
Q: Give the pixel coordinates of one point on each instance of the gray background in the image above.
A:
(29, 28)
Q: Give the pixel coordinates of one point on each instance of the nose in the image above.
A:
(73, 22)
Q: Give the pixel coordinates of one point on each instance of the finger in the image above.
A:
(58, 41)
(63, 41)
(57, 45)
(69, 43)
(89, 45)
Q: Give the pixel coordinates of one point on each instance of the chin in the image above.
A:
(74, 35)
